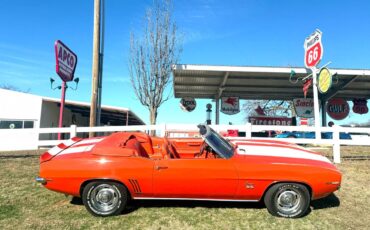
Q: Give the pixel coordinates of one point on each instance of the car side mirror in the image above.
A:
(202, 129)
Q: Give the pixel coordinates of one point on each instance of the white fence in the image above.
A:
(162, 129)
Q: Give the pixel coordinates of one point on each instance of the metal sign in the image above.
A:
(324, 80)
(360, 106)
(304, 107)
(337, 108)
(66, 61)
(230, 105)
(188, 104)
(270, 121)
(313, 49)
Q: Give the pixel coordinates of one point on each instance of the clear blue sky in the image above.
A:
(255, 33)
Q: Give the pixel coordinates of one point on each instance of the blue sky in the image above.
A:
(251, 33)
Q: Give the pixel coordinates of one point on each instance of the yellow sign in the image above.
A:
(325, 80)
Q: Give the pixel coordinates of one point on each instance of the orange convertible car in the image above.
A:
(106, 172)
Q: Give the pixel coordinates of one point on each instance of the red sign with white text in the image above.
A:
(337, 108)
(66, 61)
(313, 49)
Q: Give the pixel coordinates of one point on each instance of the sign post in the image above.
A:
(66, 62)
(313, 54)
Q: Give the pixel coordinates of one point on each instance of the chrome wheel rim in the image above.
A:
(288, 201)
(104, 199)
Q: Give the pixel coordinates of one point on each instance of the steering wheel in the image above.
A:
(204, 148)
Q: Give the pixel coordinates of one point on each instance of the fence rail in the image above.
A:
(164, 129)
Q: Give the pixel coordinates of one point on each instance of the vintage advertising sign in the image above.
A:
(188, 104)
(304, 107)
(360, 106)
(306, 86)
(270, 121)
(337, 108)
(313, 49)
(66, 61)
(324, 80)
(230, 105)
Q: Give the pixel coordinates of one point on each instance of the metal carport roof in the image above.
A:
(255, 82)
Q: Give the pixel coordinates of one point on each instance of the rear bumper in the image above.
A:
(41, 180)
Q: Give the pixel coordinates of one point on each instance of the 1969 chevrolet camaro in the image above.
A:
(108, 171)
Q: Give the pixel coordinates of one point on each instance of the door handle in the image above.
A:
(157, 167)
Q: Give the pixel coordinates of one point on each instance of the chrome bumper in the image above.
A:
(41, 180)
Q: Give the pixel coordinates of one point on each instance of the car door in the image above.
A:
(195, 178)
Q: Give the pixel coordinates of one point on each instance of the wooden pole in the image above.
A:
(95, 68)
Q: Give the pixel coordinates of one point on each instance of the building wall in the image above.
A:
(50, 119)
(19, 107)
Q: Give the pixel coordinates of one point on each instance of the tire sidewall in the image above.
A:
(122, 198)
(273, 193)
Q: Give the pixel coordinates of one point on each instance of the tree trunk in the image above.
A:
(153, 119)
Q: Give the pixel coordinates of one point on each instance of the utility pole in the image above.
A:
(95, 68)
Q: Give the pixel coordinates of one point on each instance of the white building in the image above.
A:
(26, 111)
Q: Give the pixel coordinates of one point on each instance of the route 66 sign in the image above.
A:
(313, 49)
(360, 106)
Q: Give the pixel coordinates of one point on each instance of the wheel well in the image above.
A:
(282, 182)
(83, 185)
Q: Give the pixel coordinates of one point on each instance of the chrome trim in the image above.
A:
(200, 199)
(41, 180)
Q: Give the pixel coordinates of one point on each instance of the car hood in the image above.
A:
(279, 151)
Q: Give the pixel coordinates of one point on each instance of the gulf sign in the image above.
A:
(66, 61)
(337, 108)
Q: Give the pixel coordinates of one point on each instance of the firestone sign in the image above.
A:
(230, 105)
(313, 49)
(66, 61)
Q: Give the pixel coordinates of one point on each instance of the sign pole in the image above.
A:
(316, 104)
(62, 99)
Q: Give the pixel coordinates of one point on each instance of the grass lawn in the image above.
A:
(24, 204)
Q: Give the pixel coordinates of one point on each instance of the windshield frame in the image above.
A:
(220, 145)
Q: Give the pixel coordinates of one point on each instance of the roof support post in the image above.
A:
(223, 83)
(127, 118)
(316, 105)
(217, 111)
(323, 113)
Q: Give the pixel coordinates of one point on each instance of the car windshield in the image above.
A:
(221, 146)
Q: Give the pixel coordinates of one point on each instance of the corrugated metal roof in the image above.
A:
(254, 82)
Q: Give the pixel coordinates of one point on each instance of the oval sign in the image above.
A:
(337, 108)
(324, 80)
(188, 104)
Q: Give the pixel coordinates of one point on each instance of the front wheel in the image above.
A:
(103, 198)
(289, 200)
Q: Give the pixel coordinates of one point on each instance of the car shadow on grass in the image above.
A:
(133, 205)
(330, 201)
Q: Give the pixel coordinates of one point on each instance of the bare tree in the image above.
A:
(152, 55)
(13, 88)
(270, 107)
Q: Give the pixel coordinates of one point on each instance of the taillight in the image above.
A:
(45, 157)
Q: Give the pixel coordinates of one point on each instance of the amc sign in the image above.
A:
(66, 61)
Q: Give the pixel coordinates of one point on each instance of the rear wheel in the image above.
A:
(103, 198)
(289, 200)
